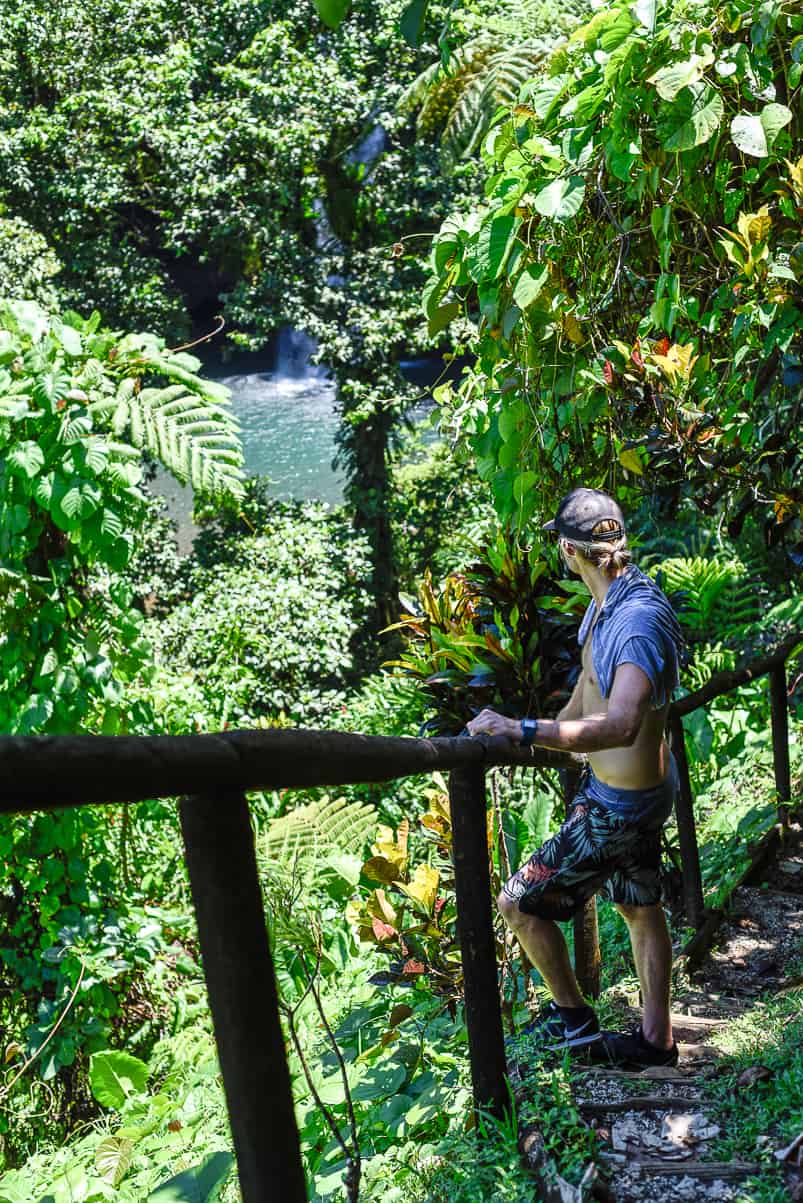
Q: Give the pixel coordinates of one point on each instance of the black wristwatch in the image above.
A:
(529, 731)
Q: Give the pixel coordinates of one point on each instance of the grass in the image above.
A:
(770, 1035)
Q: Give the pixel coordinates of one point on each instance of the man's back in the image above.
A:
(634, 630)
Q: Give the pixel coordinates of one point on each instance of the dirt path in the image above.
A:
(656, 1127)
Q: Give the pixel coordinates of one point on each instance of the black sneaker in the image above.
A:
(630, 1050)
(556, 1033)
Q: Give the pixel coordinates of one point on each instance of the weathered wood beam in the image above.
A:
(687, 830)
(219, 848)
(724, 682)
(780, 735)
(39, 772)
(477, 942)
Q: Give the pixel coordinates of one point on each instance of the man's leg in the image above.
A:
(544, 944)
(652, 952)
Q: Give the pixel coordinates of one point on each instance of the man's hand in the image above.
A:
(488, 722)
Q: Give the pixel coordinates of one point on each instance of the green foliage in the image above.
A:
(715, 595)
(501, 634)
(27, 265)
(307, 836)
(72, 417)
(631, 279)
(458, 99)
(439, 511)
(771, 1035)
(267, 633)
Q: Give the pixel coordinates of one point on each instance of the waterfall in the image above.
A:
(294, 350)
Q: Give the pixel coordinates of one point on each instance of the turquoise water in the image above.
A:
(288, 424)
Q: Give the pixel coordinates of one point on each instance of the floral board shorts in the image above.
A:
(609, 843)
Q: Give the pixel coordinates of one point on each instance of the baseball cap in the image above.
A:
(581, 510)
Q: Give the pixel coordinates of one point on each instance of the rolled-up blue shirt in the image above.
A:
(636, 625)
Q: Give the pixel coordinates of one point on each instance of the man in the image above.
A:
(610, 842)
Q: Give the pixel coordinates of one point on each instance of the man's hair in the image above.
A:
(609, 556)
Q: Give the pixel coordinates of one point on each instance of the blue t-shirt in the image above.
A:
(636, 625)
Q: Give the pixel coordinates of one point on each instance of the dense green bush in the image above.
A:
(440, 513)
(267, 634)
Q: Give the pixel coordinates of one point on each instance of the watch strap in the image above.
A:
(529, 731)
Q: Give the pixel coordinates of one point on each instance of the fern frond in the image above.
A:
(458, 102)
(716, 595)
(708, 659)
(303, 837)
(195, 439)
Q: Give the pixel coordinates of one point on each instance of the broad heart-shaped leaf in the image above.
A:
(113, 1158)
(561, 199)
(693, 118)
(440, 319)
(529, 285)
(199, 1184)
(494, 244)
(332, 12)
(669, 80)
(755, 135)
(26, 458)
(113, 1076)
(411, 22)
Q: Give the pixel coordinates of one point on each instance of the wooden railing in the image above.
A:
(213, 773)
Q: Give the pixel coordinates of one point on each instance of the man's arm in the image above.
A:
(628, 703)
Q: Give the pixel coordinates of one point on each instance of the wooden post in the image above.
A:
(477, 944)
(587, 958)
(780, 738)
(687, 830)
(219, 848)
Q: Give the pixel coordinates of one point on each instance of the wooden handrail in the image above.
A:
(723, 682)
(45, 772)
(41, 772)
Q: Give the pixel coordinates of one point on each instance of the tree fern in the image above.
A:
(716, 595)
(457, 101)
(300, 840)
(184, 424)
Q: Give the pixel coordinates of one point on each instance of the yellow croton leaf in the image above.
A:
(784, 506)
(381, 868)
(754, 227)
(379, 907)
(796, 178)
(678, 362)
(423, 887)
(629, 459)
(572, 329)
(393, 848)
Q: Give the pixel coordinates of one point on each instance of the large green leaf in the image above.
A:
(670, 80)
(411, 22)
(332, 12)
(113, 1158)
(562, 198)
(26, 458)
(755, 134)
(529, 285)
(494, 243)
(199, 1184)
(693, 118)
(113, 1076)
